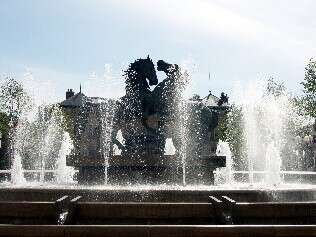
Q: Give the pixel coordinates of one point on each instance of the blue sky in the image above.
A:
(55, 45)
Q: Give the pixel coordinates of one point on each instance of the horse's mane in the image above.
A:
(135, 66)
(132, 66)
(133, 71)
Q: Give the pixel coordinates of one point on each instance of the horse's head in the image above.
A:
(142, 70)
(149, 71)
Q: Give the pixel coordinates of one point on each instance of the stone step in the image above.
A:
(159, 230)
(220, 210)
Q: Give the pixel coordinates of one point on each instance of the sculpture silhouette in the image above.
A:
(147, 118)
(167, 100)
(135, 108)
(223, 99)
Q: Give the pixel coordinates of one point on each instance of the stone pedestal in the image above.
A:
(142, 169)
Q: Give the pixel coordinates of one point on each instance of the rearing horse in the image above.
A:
(135, 107)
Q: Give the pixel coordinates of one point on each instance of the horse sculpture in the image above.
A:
(146, 118)
(135, 110)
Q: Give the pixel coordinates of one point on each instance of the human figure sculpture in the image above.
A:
(223, 99)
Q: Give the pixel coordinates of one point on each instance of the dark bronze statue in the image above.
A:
(223, 99)
(146, 118)
(136, 108)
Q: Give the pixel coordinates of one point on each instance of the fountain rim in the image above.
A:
(143, 188)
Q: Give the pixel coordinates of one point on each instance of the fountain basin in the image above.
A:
(145, 169)
(161, 193)
(80, 206)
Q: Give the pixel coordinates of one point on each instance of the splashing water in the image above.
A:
(107, 111)
(119, 137)
(268, 121)
(183, 138)
(17, 175)
(223, 149)
(64, 173)
(36, 143)
(273, 165)
(182, 111)
(169, 147)
(53, 135)
(265, 121)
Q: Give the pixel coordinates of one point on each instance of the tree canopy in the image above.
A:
(309, 89)
(13, 98)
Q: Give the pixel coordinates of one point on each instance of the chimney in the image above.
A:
(69, 93)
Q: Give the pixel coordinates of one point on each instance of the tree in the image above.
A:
(309, 84)
(234, 135)
(274, 88)
(4, 130)
(196, 97)
(13, 99)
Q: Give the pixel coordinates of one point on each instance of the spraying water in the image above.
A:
(169, 147)
(107, 111)
(265, 119)
(223, 149)
(64, 173)
(119, 137)
(269, 122)
(273, 165)
(182, 111)
(17, 175)
(183, 138)
(52, 140)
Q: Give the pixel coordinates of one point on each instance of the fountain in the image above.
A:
(146, 120)
(268, 136)
(224, 149)
(101, 161)
(64, 173)
(17, 171)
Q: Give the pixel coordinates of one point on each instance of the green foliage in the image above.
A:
(221, 128)
(235, 136)
(4, 129)
(308, 101)
(195, 97)
(274, 88)
(4, 123)
(69, 118)
(13, 99)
